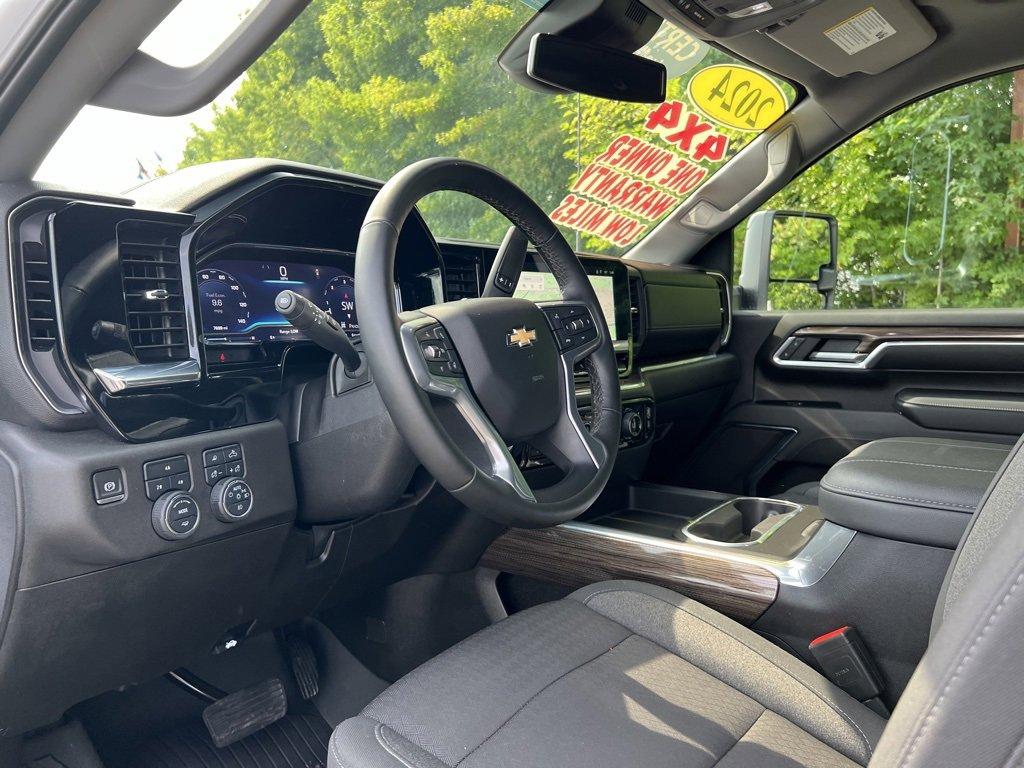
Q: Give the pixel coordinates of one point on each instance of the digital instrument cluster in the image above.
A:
(236, 298)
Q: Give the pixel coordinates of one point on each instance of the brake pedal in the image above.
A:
(245, 712)
(304, 664)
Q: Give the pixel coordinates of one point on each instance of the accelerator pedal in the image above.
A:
(245, 712)
(304, 664)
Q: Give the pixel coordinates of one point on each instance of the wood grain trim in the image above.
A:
(871, 336)
(575, 558)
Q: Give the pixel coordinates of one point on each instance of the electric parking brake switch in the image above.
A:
(845, 660)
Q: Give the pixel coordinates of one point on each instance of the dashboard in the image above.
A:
(165, 321)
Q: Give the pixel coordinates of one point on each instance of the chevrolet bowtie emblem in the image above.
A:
(521, 337)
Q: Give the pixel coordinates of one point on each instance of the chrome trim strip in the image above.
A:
(128, 377)
(868, 361)
(805, 569)
(839, 357)
(624, 389)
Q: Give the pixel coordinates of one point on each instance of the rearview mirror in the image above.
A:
(789, 256)
(595, 70)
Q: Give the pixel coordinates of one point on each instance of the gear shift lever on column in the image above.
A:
(319, 327)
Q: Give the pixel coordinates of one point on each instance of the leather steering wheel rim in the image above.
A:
(496, 490)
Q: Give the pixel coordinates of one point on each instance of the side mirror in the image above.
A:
(790, 256)
(595, 70)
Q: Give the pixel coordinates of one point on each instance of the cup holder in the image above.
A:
(741, 522)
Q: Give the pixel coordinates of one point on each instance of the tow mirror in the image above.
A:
(595, 70)
(789, 256)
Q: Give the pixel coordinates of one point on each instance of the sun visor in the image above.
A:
(846, 36)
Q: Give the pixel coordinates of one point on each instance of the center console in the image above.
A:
(731, 553)
(871, 556)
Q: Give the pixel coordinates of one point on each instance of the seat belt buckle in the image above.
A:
(847, 663)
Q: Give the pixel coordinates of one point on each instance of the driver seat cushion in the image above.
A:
(617, 674)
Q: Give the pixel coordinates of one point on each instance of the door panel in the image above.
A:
(955, 374)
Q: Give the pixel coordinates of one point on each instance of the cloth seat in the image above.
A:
(618, 674)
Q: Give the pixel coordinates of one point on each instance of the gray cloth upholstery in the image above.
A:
(964, 705)
(921, 490)
(619, 674)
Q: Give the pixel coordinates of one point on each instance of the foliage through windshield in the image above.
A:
(369, 87)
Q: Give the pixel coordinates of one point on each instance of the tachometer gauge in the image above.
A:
(340, 301)
(222, 302)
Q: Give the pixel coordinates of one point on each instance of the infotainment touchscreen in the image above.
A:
(541, 286)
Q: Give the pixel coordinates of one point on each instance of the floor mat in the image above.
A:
(296, 741)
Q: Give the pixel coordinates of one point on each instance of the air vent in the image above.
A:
(636, 12)
(636, 315)
(39, 306)
(153, 291)
(461, 276)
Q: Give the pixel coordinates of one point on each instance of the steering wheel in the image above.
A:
(503, 365)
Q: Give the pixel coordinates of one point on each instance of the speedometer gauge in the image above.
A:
(340, 301)
(223, 303)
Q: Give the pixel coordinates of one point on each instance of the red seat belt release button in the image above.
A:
(846, 661)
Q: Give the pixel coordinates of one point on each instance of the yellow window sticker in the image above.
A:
(737, 96)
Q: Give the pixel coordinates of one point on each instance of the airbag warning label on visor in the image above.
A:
(861, 31)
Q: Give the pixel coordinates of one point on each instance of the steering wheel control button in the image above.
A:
(438, 352)
(434, 332)
(433, 351)
(559, 315)
(175, 516)
(578, 324)
(573, 325)
(108, 486)
(231, 499)
(504, 283)
(175, 465)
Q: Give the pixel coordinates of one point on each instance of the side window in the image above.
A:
(928, 206)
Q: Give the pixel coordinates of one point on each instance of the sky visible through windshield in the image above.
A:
(368, 87)
(111, 151)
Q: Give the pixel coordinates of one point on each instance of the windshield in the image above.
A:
(369, 87)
